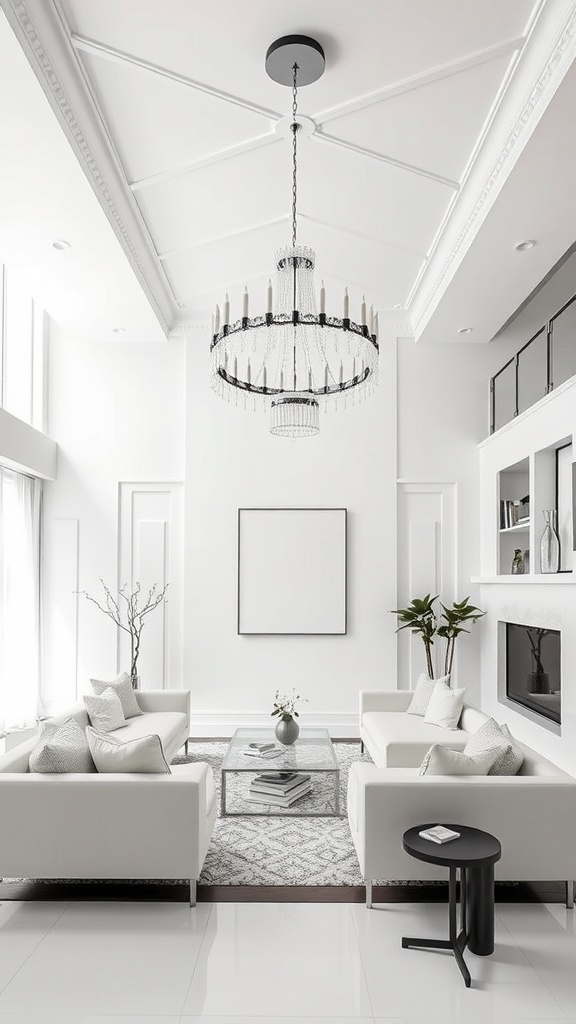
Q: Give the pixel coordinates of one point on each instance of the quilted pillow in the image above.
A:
(122, 685)
(445, 706)
(143, 754)
(442, 760)
(422, 693)
(510, 757)
(105, 712)
(61, 748)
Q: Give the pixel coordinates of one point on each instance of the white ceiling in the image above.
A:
(432, 120)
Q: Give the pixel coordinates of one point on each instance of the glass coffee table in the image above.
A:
(312, 752)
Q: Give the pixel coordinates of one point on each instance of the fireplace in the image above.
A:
(533, 670)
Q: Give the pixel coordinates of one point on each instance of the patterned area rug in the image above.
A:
(286, 850)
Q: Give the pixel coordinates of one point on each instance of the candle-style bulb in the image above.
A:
(245, 302)
(264, 377)
(346, 304)
(376, 328)
(309, 380)
(217, 319)
(326, 376)
(269, 297)
(249, 374)
(322, 297)
(235, 368)
(371, 321)
(226, 312)
(341, 373)
(363, 311)
(281, 380)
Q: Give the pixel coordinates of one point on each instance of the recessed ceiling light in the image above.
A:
(118, 330)
(398, 305)
(60, 244)
(465, 330)
(524, 246)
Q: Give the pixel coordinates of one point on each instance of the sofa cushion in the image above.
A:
(397, 740)
(105, 712)
(445, 706)
(61, 748)
(170, 726)
(510, 757)
(443, 761)
(144, 754)
(423, 694)
(122, 685)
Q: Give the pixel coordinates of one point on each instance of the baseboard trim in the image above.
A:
(207, 724)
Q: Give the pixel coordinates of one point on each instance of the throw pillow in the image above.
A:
(61, 748)
(442, 760)
(105, 712)
(143, 754)
(510, 757)
(422, 694)
(122, 685)
(445, 706)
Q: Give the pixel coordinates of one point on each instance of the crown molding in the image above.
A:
(44, 36)
(532, 87)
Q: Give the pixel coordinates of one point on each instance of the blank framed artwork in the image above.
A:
(292, 571)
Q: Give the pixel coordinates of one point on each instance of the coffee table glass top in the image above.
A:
(312, 752)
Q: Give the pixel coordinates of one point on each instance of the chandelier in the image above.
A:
(295, 357)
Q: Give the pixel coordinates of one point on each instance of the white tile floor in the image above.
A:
(163, 963)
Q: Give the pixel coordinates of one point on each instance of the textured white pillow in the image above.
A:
(445, 706)
(510, 757)
(122, 685)
(422, 694)
(442, 760)
(143, 754)
(62, 748)
(105, 712)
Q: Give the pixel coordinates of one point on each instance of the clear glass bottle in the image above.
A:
(549, 544)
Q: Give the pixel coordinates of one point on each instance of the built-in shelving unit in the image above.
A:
(514, 503)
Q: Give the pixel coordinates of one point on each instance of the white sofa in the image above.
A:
(533, 814)
(110, 825)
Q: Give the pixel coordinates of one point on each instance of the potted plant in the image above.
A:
(421, 619)
(128, 611)
(287, 729)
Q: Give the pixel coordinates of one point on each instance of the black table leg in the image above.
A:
(457, 941)
(481, 909)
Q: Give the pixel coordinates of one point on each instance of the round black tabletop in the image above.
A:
(474, 848)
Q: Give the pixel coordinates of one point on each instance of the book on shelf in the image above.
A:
(280, 799)
(253, 750)
(261, 785)
(439, 834)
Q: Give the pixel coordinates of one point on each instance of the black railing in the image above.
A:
(541, 365)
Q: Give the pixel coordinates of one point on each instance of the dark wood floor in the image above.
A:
(521, 892)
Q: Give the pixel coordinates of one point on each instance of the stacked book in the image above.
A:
(514, 513)
(262, 750)
(279, 788)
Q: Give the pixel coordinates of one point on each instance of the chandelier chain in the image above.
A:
(294, 150)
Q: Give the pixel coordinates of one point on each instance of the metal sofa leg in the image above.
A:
(368, 894)
(186, 747)
(570, 895)
(361, 746)
(192, 892)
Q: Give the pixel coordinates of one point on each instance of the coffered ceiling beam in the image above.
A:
(322, 136)
(98, 49)
(205, 161)
(455, 67)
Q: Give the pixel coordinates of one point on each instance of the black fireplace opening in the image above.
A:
(533, 669)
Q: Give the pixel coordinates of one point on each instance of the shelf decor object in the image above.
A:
(549, 544)
(291, 571)
(295, 357)
(518, 563)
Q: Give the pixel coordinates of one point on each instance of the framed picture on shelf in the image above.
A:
(564, 506)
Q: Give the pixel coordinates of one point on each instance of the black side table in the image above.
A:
(474, 854)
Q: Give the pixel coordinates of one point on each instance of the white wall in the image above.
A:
(232, 461)
(443, 401)
(116, 411)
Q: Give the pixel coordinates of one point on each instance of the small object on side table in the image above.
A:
(474, 854)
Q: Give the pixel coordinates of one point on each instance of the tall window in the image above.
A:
(19, 599)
